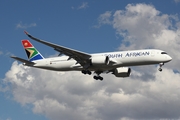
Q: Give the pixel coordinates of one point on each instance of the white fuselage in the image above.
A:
(117, 59)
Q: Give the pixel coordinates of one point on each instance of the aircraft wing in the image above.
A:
(81, 57)
(23, 60)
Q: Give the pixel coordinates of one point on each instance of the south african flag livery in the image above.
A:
(31, 51)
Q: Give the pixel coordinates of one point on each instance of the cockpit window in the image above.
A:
(163, 53)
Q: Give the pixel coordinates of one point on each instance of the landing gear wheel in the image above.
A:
(101, 78)
(160, 69)
(95, 77)
(98, 78)
(83, 71)
(86, 72)
(160, 66)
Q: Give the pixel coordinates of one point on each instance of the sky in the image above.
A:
(89, 26)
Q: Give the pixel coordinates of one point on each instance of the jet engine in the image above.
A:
(100, 60)
(122, 72)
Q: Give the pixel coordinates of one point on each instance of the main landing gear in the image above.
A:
(96, 77)
(86, 72)
(160, 66)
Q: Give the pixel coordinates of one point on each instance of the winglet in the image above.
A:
(27, 34)
(30, 36)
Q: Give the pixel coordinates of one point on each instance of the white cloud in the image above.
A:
(1, 52)
(142, 26)
(20, 25)
(8, 119)
(147, 94)
(176, 1)
(104, 18)
(57, 94)
(84, 5)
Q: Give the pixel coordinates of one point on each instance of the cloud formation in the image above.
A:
(142, 26)
(84, 5)
(20, 25)
(147, 94)
(176, 1)
(104, 18)
(1, 52)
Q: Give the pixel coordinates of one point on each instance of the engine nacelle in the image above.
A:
(122, 72)
(100, 60)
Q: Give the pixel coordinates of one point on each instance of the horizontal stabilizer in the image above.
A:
(23, 60)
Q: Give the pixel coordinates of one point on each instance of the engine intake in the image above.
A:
(100, 60)
(122, 72)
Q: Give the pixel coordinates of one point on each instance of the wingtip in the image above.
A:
(26, 32)
(13, 56)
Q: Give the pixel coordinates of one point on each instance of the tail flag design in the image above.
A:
(31, 51)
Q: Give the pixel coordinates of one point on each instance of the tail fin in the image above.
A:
(31, 51)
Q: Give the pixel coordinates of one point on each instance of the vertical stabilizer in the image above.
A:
(31, 51)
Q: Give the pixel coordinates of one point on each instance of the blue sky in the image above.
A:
(81, 25)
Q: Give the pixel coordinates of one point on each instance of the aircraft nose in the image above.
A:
(169, 58)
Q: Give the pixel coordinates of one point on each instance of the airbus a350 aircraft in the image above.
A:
(116, 63)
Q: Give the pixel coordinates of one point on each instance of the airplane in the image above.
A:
(117, 63)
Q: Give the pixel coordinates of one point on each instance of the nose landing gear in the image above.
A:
(160, 66)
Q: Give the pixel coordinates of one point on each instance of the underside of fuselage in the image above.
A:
(60, 67)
